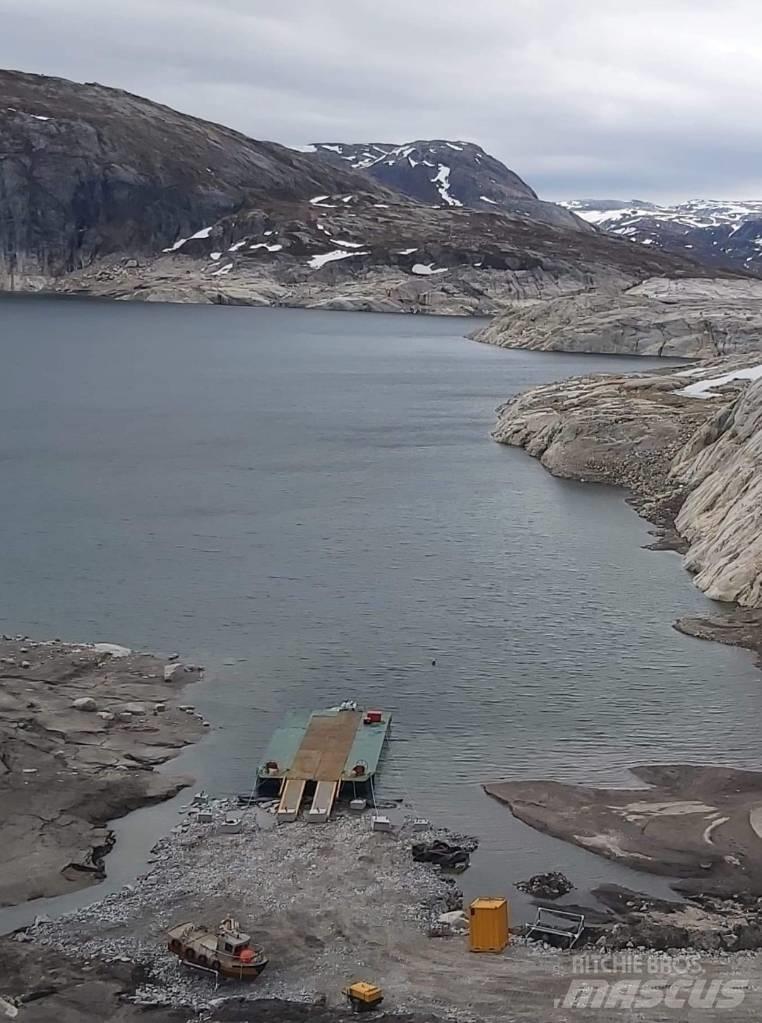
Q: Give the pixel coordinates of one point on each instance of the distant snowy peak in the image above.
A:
(711, 231)
(433, 170)
(694, 213)
(442, 172)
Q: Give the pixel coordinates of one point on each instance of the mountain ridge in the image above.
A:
(106, 193)
(713, 232)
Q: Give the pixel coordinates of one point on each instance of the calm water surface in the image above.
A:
(310, 504)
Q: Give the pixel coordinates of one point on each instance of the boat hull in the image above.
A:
(229, 970)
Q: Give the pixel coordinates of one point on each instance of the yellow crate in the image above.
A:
(488, 925)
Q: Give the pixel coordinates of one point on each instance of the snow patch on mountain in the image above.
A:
(426, 269)
(442, 181)
(203, 233)
(329, 257)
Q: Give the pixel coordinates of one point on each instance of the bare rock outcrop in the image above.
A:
(692, 822)
(692, 316)
(722, 515)
(66, 769)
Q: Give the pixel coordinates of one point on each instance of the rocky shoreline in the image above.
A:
(698, 823)
(689, 316)
(702, 825)
(83, 729)
(687, 446)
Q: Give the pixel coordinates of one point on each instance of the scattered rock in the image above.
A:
(8, 1009)
(454, 918)
(86, 703)
(551, 885)
(114, 649)
(443, 854)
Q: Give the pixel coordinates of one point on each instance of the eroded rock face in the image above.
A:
(693, 317)
(722, 515)
(623, 430)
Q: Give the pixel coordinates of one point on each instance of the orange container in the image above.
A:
(489, 926)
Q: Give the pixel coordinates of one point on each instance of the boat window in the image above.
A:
(228, 947)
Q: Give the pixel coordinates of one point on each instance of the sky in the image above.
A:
(582, 98)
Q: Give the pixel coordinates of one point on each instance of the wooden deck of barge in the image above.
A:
(326, 748)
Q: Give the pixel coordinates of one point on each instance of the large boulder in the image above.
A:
(86, 703)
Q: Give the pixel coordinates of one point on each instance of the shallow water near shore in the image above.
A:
(309, 504)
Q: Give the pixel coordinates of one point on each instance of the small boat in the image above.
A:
(228, 952)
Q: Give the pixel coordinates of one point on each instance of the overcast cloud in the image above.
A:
(657, 100)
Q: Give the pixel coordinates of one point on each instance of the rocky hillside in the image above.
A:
(714, 233)
(442, 173)
(693, 316)
(87, 170)
(687, 443)
(350, 251)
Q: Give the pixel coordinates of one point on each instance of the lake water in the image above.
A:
(310, 504)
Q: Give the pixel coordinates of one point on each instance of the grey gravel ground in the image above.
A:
(321, 898)
(334, 903)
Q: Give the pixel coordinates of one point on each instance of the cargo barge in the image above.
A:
(323, 754)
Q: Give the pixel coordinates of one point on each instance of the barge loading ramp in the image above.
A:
(327, 748)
